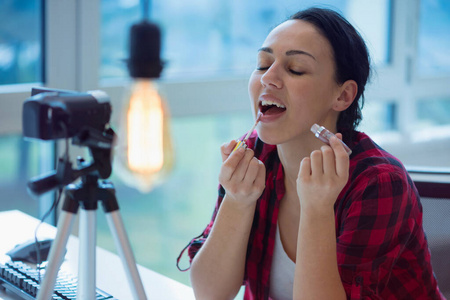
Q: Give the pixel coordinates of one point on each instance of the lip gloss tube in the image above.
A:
(243, 142)
(325, 135)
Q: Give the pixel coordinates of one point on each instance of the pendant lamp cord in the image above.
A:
(146, 9)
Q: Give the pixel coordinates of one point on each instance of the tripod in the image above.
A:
(86, 194)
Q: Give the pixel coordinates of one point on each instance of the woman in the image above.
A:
(298, 219)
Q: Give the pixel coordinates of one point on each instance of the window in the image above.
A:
(220, 38)
(434, 38)
(20, 63)
(20, 42)
(372, 19)
(432, 112)
(17, 168)
(433, 71)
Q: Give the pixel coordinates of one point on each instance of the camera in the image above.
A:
(53, 114)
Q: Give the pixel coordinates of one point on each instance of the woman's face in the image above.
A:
(294, 83)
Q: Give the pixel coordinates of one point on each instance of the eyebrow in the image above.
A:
(288, 53)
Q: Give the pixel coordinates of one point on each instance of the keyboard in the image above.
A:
(23, 281)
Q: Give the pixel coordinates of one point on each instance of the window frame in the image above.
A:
(72, 60)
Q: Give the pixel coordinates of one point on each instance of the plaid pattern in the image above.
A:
(382, 250)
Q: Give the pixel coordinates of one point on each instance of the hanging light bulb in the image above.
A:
(144, 153)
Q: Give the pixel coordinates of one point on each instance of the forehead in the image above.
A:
(298, 35)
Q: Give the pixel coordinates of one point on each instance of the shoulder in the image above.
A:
(370, 160)
(379, 192)
(377, 177)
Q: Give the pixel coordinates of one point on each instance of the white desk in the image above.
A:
(17, 227)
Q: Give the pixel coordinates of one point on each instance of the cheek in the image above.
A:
(308, 104)
(312, 94)
(254, 86)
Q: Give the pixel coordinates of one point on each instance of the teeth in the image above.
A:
(268, 102)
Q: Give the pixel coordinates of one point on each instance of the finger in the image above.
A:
(260, 179)
(316, 163)
(341, 156)
(305, 168)
(336, 145)
(226, 149)
(329, 164)
(229, 166)
(252, 171)
(243, 165)
(347, 149)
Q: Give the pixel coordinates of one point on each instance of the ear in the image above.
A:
(348, 92)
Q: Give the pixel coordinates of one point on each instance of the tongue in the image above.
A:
(273, 110)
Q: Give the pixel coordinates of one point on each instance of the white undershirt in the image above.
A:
(282, 272)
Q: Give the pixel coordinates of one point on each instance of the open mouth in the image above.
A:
(271, 108)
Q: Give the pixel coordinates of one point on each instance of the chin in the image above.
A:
(269, 138)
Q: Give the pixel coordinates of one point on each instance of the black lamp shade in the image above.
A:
(145, 47)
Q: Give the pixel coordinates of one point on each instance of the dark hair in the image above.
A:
(350, 55)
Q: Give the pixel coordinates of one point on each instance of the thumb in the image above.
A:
(227, 148)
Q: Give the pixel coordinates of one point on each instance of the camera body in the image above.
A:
(84, 117)
(54, 114)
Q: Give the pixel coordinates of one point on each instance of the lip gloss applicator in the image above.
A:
(243, 142)
(325, 135)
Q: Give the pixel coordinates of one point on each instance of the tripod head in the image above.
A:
(65, 174)
(84, 117)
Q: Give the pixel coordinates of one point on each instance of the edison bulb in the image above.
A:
(144, 152)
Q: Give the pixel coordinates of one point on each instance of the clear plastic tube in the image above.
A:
(325, 135)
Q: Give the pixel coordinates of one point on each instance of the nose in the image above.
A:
(272, 77)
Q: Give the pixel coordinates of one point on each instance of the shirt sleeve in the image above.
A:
(197, 242)
(376, 228)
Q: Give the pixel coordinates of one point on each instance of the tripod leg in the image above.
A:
(56, 256)
(123, 247)
(86, 268)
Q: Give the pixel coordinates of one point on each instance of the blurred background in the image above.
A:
(210, 49)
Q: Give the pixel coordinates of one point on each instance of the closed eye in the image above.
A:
(262, 68)
(295, 72)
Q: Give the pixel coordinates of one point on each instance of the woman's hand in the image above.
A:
(322, 176)
(242, 175)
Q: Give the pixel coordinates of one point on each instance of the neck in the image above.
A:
(291, 154)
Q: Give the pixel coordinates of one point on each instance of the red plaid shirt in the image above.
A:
(382, 252)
